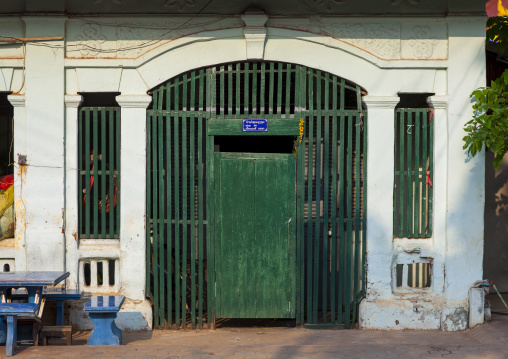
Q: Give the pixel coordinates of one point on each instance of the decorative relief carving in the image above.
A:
(422, 42)
(90, 41)
(180, 3)
(328, 4)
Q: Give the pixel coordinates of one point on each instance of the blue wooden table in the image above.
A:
(102, 311)
(32, 282)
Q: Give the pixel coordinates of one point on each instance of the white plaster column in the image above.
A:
(72, 103)
(18, 252)
(466, 180)
(439, 188)
(44, 205)
(380, 167)
(133, 194)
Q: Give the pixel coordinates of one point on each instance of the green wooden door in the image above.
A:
(255, 235)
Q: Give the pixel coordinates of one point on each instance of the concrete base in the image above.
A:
(476, 307)
(399, 314)
(134, 315)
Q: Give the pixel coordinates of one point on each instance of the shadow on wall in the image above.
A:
(495, 259)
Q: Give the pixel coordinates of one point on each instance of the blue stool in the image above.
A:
(11, 311)
(102, 311)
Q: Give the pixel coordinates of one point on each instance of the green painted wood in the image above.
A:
(155, 258)
(201, 162)
(170, 229)
(111, 177)
(233, 127)
(97, 143)
(255, 214)
(94, 198)
(330, 269)
(413, 195)
(333, 197)
(176, 199)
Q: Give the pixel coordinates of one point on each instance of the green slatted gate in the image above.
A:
(324, 117)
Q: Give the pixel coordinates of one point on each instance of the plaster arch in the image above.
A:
(377, 76)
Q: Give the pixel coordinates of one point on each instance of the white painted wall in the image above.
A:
(446, 60)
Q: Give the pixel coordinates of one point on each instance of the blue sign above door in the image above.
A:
(257, 125)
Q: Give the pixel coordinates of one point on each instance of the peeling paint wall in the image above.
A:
(442, 56)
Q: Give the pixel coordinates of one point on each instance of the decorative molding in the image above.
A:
(422, 42)
(381, 102)
(438, 102)
(133, 101)
(73, 101)
(90, 41)
(16, 100)
(255, 33)
(327, 4)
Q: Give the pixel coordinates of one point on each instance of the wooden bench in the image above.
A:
(102, 311)
(11, 311)
(57, 331)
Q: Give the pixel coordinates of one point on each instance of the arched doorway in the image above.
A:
(255, 196)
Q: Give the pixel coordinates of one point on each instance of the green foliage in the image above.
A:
(489, 125)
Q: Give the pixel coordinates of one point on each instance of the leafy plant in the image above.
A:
(489, 125)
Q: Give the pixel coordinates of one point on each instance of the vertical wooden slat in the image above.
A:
(230, 90)
(349, 250)
(176, 196)
(200, 189)
(118, 182)
(184, 213)
(402, 178)
(364, 211)
(357, 262)
(160, 172)
(222, 85)
(169, 216)
(238, 77)
(299, 192)
(271, 89)
(301, 170)
(263, 88)
(416, 205)
(279, 88)
(95, 187)
(254, 88)
(431, 170)
(112, 170)
(192, 186)
(317, 228)
(333, 194)
(103, 177)
(81, 170)
(210, 317)
(288, 91)
(310, 169)
(326, 196)
(425, 188)
(155, 258)
(409, 178)
(87, 159)
(246, 88)
(342, 240)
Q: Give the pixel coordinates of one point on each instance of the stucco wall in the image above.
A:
(385, 55)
